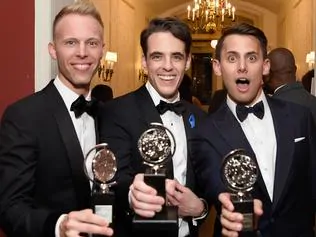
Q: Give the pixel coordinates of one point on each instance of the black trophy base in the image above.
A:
(156, 180)
(245, 207)
(164, 223)
(103, 205)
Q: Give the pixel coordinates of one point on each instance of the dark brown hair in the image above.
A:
(242, 29)
(175, 26)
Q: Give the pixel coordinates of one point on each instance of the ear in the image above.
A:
(266, 67)
(188, 63)
(144, 62)
(217, 67)
(52, 50)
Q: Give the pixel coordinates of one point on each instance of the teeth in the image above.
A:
(166, 77)
(81, 66)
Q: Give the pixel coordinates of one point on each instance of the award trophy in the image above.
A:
(239, 173)
(157, 146)
(103, 166)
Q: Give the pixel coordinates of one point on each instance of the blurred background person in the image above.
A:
(102, 93)
(282, 80)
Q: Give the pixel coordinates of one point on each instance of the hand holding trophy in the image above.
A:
(157, 146)
(240, 173)
(103, 168)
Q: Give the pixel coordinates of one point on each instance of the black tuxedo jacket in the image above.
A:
(291, 211)
(296, 93)
(121, 124)
(41, 165)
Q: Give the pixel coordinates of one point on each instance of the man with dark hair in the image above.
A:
(44, 138)
(282, 80)
(278, 135)
(166, 44)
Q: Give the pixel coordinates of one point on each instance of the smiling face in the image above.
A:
(166, 63)
(78, 48)
(242, 67)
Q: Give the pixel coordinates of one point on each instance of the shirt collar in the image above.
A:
(232, 104)
(67, 94)
(156, 97)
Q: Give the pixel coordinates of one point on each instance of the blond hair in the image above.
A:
(83, 8)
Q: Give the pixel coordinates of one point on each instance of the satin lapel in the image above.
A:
(188, 126)
(232, 133)
(72, 145)
(285, 149)
(148, 112)
(96, 122)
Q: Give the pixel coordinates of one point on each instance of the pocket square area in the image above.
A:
(299, 139)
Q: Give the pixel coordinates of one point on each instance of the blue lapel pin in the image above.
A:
(192, 121)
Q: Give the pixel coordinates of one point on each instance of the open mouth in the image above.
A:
(242, 81)
(242, 84)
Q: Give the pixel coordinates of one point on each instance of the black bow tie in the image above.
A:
(177, 107)
(243, 111)
(81, 105)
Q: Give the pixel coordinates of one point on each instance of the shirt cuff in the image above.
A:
(204, 212)
(57, 229)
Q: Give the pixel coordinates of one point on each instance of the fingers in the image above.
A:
(257, 207)
(228, 233)
(170, 186)
(224, 198)
(84, 221)
(231, 221)
(144, 199)
(258, 210)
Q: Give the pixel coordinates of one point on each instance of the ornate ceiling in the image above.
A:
(161, 6)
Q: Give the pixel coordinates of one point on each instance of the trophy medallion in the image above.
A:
(103, 166)
(240, 173)
(157, 146)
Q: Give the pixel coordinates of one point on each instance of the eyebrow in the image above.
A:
(248, 53)
(173, 54)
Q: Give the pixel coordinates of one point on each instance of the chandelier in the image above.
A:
(210, 15)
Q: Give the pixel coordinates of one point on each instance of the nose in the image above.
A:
(82, 50)
(167, 64)
(242, 66)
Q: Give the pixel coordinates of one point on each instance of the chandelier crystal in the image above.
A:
(210, 15)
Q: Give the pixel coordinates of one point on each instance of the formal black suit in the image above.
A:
(291, 212)
(122, 122)
(41, 165)
(296, 93)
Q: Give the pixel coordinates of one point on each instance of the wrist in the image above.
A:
(204, 211)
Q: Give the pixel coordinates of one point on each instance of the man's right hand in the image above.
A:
(143, 198)
(84, 221)
(232, 221)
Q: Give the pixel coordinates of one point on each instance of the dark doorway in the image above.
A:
(202, 76)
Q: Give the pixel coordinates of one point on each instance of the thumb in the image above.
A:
(224, 198)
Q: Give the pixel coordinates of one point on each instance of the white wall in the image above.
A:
(45, 67)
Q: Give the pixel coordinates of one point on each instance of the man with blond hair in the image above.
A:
(44, 138)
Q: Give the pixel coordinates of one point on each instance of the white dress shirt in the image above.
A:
(85, 130)
(261, 136)
(175, 124)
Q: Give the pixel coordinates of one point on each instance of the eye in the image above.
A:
(252, 58)
(93, 43)
(70, 42)
(178, 57)
(156, 57)
(232, 58)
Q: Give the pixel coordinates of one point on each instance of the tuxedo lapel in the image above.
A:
(189, 121)
(148, 112)
(285, 149)
(231, 131)
(72, 145)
